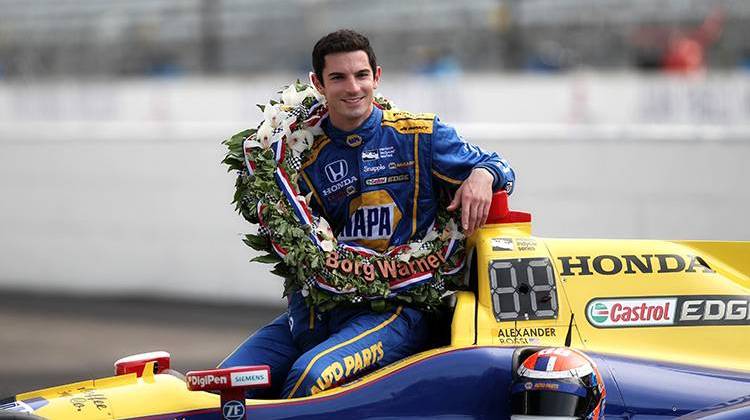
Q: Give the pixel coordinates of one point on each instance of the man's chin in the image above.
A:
(353, 115)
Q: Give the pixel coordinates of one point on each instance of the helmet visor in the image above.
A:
(546, 403)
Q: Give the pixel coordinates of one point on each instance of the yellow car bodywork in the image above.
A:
(584, 272)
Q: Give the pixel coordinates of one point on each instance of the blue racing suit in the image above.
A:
(377, 186)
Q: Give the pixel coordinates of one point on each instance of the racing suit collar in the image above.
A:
(358, 136)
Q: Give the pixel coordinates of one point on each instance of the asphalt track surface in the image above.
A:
(48, 340)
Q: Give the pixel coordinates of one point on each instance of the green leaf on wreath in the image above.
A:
(267, 259)
(282, 270)
(257, 242)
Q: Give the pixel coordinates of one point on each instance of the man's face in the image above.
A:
(348, 85)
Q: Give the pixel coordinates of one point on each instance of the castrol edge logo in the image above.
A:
(636, 312)
(677, 311)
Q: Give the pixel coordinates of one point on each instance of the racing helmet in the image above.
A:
(557, 383)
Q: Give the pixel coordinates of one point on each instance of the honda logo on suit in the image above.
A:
(336, 171)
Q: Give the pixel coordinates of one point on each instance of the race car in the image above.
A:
(665, 325)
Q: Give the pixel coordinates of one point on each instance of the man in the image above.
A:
(374, 176)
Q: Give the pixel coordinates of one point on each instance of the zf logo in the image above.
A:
(233, 410)
(336, 171)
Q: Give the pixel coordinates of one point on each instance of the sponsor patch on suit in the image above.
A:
(391, 179)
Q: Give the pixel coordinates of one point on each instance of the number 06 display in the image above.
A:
(523, 289)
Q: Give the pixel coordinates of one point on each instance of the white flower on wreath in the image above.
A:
(311, 92)
(323, 229)
(451, 231)
(286, 125)
(417, 249)
(299, 141)
(431, 235)
(273, 115)
(264, 134)
(291, 97)
(326, 245)
(250, 143)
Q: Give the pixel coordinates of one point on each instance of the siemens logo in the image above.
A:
(259, 377)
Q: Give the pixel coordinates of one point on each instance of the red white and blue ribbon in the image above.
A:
(249, 164)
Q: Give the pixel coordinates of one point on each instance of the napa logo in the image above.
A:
(353, 140)
(373, 218)
(371, 222)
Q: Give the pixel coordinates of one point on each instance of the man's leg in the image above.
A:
(271, 345)
(365, 342)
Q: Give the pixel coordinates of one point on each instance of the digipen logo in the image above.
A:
(207, 380)
(336, 171)
(233, 410)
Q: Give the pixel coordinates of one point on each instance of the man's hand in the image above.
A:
(474, 197)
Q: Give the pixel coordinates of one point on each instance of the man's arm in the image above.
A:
(476, 173)
(474, 196)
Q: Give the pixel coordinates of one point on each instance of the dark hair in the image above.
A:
(343, 40)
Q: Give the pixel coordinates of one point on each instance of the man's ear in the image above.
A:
(317, 82)
(376, 77)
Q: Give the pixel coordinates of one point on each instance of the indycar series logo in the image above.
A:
(669, 311)
(369, 155)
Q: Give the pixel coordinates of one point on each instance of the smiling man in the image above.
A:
(376, 176)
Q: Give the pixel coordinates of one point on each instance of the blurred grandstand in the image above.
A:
(81, 38)
(622, 118)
